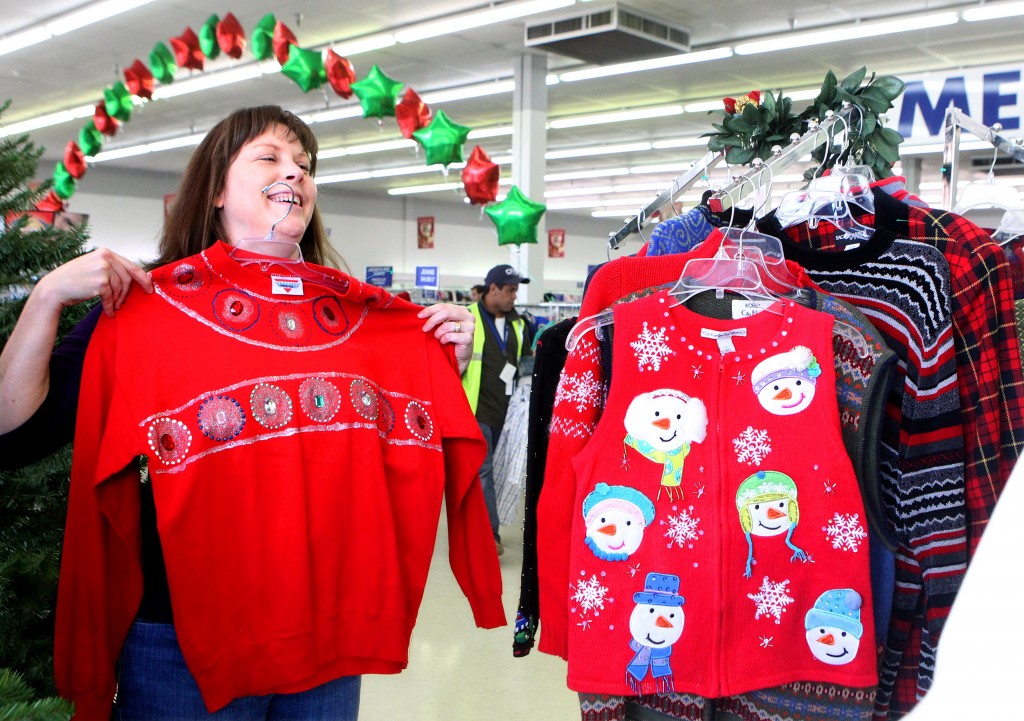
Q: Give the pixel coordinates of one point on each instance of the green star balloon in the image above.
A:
(377, 93)
(208, 37)
(516, 218)
(442, 140)
(305, 67)
(262, 37)
(118, 101)
(90, 140)
(161, 63)
(63, 183)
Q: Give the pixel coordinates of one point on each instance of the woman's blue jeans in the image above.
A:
(154, 684)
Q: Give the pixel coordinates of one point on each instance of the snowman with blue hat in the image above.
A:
(656, 623)
(833, 627)
(615, 518)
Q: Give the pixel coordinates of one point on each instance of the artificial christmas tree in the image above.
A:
(33, 499)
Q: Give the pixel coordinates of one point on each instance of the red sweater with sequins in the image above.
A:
(298, 467)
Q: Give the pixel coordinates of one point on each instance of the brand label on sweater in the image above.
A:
(747, 308)
(723, 337)
(285, 285)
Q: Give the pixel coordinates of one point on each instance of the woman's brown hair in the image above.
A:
(194, 221)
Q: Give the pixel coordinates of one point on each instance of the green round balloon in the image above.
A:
(118, 101)
(305, 67)
(262, 37)
(161, 63)
(377, 93)
(208, 37)
(442, 140)
(63, 183)
(516, 218)
(90, 140)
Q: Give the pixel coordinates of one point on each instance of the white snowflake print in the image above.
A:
(650, 347)
(771, 599)
(682, 528)
(846, 532)
(589, 595)
(697, 371)
(766, 641)
(752, 446)
(739, 377)
(582, 391)
(829, 486)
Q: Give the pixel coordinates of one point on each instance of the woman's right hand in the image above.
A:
(101, 273)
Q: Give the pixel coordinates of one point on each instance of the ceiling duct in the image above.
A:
(608, 34)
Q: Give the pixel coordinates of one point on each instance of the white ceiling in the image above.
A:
(73, 69)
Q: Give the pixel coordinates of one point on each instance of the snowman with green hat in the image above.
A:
(767, 505)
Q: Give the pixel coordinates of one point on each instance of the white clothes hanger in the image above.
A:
(292, 262)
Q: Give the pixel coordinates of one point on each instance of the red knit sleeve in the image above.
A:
(101, 572)
(471, 551)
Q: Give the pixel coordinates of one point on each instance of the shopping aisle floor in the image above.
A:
(458, 672)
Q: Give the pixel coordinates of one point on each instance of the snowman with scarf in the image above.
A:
(655, 624)
(661, 426)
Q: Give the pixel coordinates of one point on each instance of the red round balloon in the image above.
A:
(340, 73)
(480, 178)
(139, 80)
(283, 40)
(52, 203)
(103, 121)
(231, 36)
(74, 160)
(187, 52)
(411, 113)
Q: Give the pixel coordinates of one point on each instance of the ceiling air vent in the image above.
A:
(608, 34)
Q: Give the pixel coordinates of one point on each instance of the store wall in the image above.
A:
(126, 211)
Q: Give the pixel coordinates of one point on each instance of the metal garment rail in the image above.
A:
(955, 121)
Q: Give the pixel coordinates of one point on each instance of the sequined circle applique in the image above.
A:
(386, 417)
(270, 405)
(290, 324)
(418, 422)
(320, 399)
(185, 280)
(221, 418)
(329, 315)
(169, 440)
(364, 399)
(235, 309)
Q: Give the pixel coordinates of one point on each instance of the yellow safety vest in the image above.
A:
(471, 378)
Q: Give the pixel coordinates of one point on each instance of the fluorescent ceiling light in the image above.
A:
(341, 178)
(641, 65)
(660, 168)
(326, 116)
(415, 170)
(45, 121)
(480, 90)
(625, 215)
(570, 205)
(926, 148)
(249, 71)
(413, 189)
(144, 148)
(467, 21)
(91, 13)
(661, 111)
(843, 33)
(679, 143)
(584, 174)
(605, 190)
(380, 147)
(596, 150)
(990, 11)
(364, 45)
(495, 132)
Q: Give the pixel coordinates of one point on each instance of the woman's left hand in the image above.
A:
(452, 324)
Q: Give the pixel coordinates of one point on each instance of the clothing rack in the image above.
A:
(956, 120)
(799, 146)
(684, 181)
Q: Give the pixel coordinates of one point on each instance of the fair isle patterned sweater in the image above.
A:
(715, 548)
(298, 472)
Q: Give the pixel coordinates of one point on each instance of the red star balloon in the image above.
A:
(442, 140)
(162, 64)
(377, 93)
(102, 120)
(208, 37)
(74, 160)
(411, 113)
(516, 218)
(480, 178)
(340, 73)
(283, 39)
(231, 36)
(139, 80)
(186, 49)
(263, 37)
(305, 67)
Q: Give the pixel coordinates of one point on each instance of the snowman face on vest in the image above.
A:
(662, 420)
(832, 645)
(656, 626)
(616, 531)
(787, 395)
(770, 517)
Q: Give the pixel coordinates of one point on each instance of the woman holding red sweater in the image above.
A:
(280, 435)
